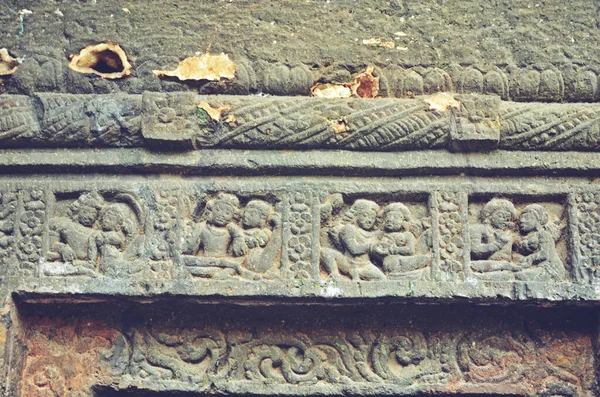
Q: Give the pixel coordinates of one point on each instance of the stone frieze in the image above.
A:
(174, 120)
(326, 237)
(411, 354)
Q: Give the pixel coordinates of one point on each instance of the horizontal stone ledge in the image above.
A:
(287, 162)
(131, 387)
(55, 291)
(174, 121)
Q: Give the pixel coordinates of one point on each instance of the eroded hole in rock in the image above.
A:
(107, 62)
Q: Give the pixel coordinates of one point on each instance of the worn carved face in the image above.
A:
(111, 220)
(394, 221)
(222, 214)
(528, 222)
(87, 215)
(365, 218)
(500, 219)
(252, 218)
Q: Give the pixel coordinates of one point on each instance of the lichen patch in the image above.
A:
(216, 113)
(442, 101)
(8, 64)
(331, 91)
(203, 67)
(365, 85)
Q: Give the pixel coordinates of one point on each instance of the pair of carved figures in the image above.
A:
(96, 237)
(222, 245)
(353, 245)
(500, 251)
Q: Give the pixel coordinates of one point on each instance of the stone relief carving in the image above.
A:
(563, 82)
(521, 245)
(522, 359)
(476, 126)
(31, 224)
(96, 235)
(161, 244)
(587, 213)
(227, 240)
(173, 120)
(500, 357)
(17, 118)
(190, 354)
(299, 240)
(8, 212)
(450, 220)
(61, 362)
(161, 232)
(368, 242)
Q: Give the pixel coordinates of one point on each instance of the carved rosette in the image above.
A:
(451, 218)
(8, 213)
(299, 234)
(165, 228)
(586, 208)
(32, 223)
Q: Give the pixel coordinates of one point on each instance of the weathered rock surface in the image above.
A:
(167, 237)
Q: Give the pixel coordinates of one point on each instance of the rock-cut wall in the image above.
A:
(299, 198)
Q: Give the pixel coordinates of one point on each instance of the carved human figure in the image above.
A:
(398, 244)
(355, 241)
(217, 244)
(491, 240)
(541, 261)
(112, 246)
(74, 232)
(263, 243)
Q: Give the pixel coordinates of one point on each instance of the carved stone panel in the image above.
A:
(371, 240)
(228, 235)
(96, 233)
(518, 239)
(410, 352)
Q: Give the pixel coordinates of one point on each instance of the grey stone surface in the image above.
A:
(167, 120)
(293, 245)
(519, 50)
(329, 238)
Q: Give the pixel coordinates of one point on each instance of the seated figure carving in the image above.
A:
(354, 240)
(96, 237)
(217, 245)
(74, 231)
(262, 242)
(219, 248)
(355, 248)
(499, 252)
(116, 243)
(492, 240)
(540, 261)
(399, 245)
